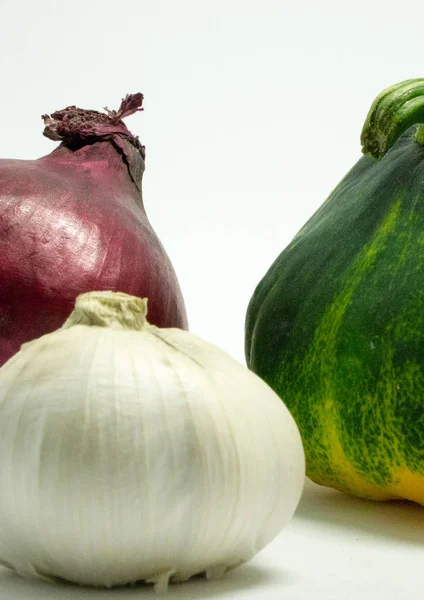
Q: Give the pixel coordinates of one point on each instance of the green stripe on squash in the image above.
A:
(336, 326)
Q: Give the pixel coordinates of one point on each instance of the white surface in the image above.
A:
(336, 548)
(253, 112)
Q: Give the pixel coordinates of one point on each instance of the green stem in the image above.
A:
(419, 135)
(114, 310)
(393, 112)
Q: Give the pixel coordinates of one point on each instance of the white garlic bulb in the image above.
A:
(129, 452)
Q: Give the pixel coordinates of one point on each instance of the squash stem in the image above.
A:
(393, 111)
(419, 135)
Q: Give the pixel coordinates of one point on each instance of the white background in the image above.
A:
(253, 111)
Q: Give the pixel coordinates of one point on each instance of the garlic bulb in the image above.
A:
(129, 452)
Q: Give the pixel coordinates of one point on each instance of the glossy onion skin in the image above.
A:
(336, 328)
(74, 221)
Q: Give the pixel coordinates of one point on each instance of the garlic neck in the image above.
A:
(114, 310)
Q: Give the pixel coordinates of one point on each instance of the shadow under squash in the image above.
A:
(400, 520)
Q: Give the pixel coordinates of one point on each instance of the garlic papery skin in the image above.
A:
(129, 452)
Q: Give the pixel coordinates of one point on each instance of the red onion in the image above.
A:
(74, 221)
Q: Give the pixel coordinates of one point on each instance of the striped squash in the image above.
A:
(336, 326)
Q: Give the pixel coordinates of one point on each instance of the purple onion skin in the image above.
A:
(74, 221)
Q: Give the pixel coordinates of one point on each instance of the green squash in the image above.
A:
(336, 326)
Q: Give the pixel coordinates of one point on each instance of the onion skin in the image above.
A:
(74, 221)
